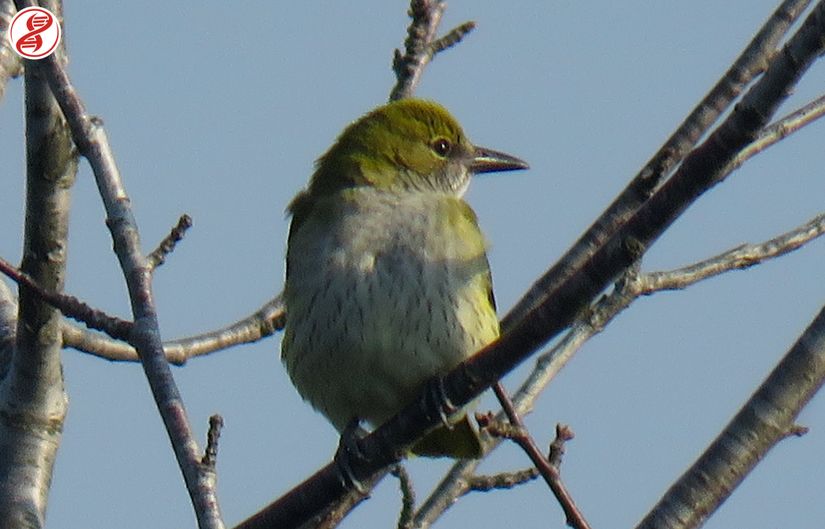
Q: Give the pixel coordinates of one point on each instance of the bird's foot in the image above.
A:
(438, 400)
(349, 451)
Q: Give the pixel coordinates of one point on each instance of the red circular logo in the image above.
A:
(34, 33)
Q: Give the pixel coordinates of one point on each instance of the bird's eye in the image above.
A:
(441, 146)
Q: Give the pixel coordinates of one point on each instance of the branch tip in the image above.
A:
(210, 455)
(167, 245)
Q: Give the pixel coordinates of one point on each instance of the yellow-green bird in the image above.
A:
(387, 279)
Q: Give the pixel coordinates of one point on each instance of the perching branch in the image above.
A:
(632, 286)
(269, 319)
(555, 309)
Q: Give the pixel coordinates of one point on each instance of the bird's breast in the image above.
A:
(382, 294)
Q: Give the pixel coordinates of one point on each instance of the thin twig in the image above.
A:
(521, 436)
(780, 129)
(210, 455)
(70, 306)
(741, 257)
(405, 516)
(452, 38)
(563, 434)
(262, 323)
(501, 481)
(421, 45)
(167, 245)
(509, 480)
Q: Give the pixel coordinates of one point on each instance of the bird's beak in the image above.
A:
(490, 161)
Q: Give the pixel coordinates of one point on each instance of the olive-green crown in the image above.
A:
(400, 140)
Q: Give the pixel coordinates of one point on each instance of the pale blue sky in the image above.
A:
(219, 111)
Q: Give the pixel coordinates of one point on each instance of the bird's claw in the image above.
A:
(349, 450)
(440, 401)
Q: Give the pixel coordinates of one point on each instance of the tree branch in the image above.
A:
(167, 245)
(550, 472)
(780, 129)
(264, 322)
(766, 419)
(422, 45)
(628, 289)
(753, 61)
(34, 403)
(92, 143)
(556, 308)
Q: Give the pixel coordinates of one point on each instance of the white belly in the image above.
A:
(379, 300)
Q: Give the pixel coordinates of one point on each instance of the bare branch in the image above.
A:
(766, 419)
(422, 45)
(501, 481)
(452, 38)
(210, 455)
(405, 517)
(509, 480)
(753, 61)
(548, 364)
(563, 434)
(34, 403)
(69, 305)
(262, 323)
(91, 141)
(550, 472)
(738, 258)
(167, 245)
(781, 129)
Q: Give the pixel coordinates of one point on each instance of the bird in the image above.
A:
(387, 283)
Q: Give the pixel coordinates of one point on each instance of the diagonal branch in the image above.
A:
(269, 319)
(767, 418)
(557, 308)
(629, 288)
(753, 60)
(69, 305)
(780, 129)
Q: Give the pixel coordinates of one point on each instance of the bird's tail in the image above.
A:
(461, 441)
